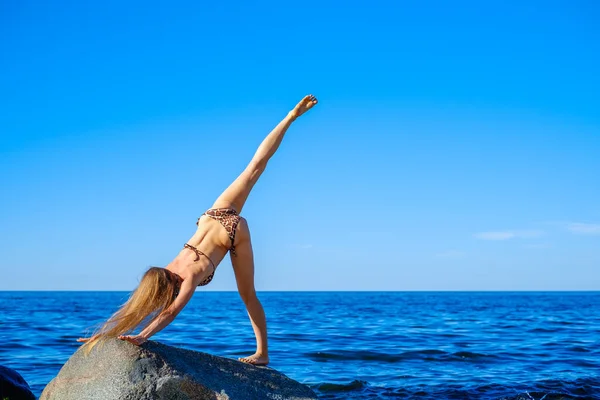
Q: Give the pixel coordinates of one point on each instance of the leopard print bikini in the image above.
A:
(230, 219)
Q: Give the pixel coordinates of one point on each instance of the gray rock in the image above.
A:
(13, 386)
(118, 370)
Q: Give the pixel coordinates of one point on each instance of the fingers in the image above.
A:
(132, 339)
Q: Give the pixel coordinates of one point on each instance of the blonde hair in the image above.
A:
(154, 294)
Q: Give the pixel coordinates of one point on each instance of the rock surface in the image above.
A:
(13, 386)
(119, 370)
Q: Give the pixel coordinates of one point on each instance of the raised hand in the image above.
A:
(304, 105)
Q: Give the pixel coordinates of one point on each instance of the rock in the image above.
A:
(120, 370)
(13, 386)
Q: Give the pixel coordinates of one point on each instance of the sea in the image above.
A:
(351, 345)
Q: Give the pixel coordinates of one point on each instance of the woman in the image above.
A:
(164, 292)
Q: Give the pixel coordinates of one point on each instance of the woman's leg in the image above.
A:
(236, 194)
(243, 266)
(243, 261)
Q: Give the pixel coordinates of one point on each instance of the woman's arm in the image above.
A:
(167, 316)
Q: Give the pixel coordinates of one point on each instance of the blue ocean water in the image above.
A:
(352, 345)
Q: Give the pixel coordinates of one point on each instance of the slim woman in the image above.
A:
(164, 292)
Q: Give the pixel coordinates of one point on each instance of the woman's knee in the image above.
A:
(248, 296)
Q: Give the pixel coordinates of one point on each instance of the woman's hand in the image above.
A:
(303, 106)
(135, 339)
(87, 339)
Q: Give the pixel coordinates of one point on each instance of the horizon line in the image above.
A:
(334, 291)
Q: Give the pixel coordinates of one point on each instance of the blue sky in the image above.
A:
(455, 146)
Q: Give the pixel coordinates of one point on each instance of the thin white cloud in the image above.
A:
(506, 235)
(584, 229)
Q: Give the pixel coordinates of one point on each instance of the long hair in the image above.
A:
(154, 294)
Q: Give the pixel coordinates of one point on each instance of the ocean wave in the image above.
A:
(425, 355)
(340, 387)
(582, 389)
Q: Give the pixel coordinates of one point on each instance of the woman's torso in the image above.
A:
(213, 242)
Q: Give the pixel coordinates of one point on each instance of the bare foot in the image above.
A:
(303, 106)
(255, 359)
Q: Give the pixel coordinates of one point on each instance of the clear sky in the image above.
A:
(456, 145)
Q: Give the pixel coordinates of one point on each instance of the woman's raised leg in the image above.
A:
(243, 261)
(236, 194)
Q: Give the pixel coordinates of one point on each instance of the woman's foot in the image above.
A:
(255, 359)
(303, 106)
